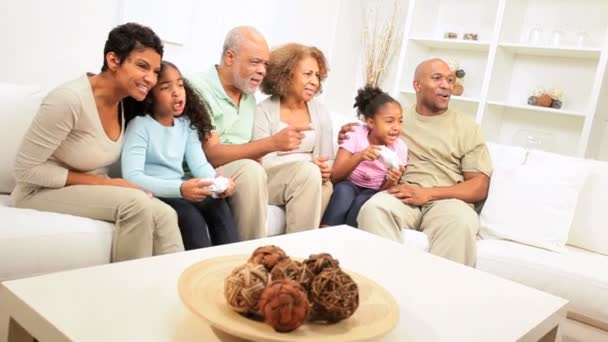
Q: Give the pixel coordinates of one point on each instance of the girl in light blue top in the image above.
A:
(156, 146)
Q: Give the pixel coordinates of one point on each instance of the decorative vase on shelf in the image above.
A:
(381, 38)
(535, 36)
(557, 37)
(582, 39)
(534, 140)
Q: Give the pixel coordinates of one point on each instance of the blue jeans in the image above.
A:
(345, 203)
(205, 223)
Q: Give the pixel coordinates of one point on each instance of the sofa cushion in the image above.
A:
(34, 242)
(275, 220)
(415, 239)
(505, 155)
(532, 204)
(18, 105)
(589, 229)
(577, 275)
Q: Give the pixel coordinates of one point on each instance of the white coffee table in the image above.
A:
(138, 300)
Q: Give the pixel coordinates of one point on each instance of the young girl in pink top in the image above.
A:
(357, 171)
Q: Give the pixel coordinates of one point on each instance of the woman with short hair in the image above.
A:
(77, 134)
(293, 79)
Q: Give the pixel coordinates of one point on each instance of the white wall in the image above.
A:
(49, 42)
(345, 74)
(309, 22)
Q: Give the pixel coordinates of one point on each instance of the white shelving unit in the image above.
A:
(508, 62)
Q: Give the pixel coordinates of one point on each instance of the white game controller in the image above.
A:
(389, 158)
(219, 185)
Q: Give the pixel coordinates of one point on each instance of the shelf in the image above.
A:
(538, 109)
(514, 56)
(547, 51)
(455, 44)
(452, 98)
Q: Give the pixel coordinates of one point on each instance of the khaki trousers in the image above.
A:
(298, 186)
(144, 226)
(250, 198)
(451, 225)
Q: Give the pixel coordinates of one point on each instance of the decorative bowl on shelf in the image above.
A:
(201, 289)
(551, 98)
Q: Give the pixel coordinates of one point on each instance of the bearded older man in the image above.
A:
(229, 89)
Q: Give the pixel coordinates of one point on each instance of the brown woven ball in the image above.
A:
(284, 305)
(318, 262)
(244, 286)
(294, 270)
(268, 256)
(334, 295)
(458, 89)
(544, 100)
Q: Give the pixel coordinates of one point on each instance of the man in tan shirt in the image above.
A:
(448, 171)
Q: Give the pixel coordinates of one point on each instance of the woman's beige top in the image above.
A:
(302, 153)
(267, 122)
(66, 134)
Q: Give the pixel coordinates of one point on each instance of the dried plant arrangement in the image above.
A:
(381, 39)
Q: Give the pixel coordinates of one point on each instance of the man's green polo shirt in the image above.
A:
(233, 124)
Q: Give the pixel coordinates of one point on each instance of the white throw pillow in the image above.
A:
(18, 105)
(532, 204)
(589, 229)
(506, 155)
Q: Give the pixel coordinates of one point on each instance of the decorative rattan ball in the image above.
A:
(284, 305)
(268, 256)
(544, 100)
(334, 295)
(294, 270)
(244, 286)
(318, 262)
(458, 89)
(556, 104)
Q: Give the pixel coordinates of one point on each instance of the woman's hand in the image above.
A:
(323, 165)
(125, 184)
(195, 189)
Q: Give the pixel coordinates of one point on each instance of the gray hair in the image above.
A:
(236, 37)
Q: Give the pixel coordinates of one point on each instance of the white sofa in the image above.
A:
(34, 242)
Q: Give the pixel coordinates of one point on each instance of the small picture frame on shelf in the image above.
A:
(470, 36)
(450, 35)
